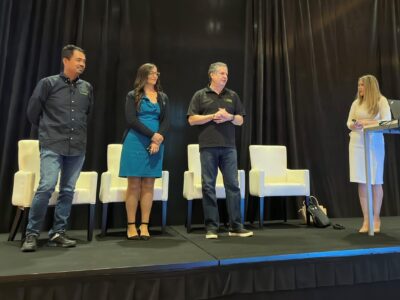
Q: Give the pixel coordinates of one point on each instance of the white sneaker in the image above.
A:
(240, 232)
(211, 234)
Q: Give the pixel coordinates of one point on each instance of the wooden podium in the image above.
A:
(390, 127)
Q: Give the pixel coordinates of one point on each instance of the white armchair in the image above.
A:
(192, 184)
(113, 187)
(270, 177)
(26, 181)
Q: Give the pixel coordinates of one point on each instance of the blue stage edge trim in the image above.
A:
(310, 255)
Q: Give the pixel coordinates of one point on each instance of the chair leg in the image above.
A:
(308, 216)
(104, 215)
(242, 209)
(285, 209)
(251, 209)
(261, 212)
(16, 223)
(91, 221)
(189, 216)
(164, 216)
(24, 224)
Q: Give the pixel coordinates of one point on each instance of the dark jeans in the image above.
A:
(226, 159)
(51, 164)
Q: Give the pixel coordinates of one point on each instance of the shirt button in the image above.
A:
(73, 101)
(73, 119)
(70, 138)
(72, 129)
(72, 110)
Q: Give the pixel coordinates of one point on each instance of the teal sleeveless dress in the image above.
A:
(135, 158)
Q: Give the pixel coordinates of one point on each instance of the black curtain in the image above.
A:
(295, 65)
(302, 63)
(31, 35)
(181, 37)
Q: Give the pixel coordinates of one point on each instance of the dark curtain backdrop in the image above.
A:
(302, 62)
(295, 65)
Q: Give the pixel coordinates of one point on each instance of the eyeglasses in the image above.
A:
(155, 73)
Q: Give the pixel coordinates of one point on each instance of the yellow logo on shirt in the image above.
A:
(228, 100)
(84, 90)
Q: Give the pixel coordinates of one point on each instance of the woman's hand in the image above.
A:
(157, 138)
(357, 125)
(153, 148)
(361, 123)
(368, 122)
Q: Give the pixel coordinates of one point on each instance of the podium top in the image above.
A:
(384, 125)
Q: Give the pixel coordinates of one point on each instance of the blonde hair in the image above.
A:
(372, 94)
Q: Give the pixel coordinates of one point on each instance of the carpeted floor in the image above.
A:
(179, 250)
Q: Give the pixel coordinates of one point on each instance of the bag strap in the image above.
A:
(315, 200)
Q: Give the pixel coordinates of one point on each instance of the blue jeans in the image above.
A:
(51, 164)
(226, 159)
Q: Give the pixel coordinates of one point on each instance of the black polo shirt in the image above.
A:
(206, 102)
(60, 108)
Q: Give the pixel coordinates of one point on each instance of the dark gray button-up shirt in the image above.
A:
(60, 108)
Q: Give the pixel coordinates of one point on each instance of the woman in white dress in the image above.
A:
(368, 109)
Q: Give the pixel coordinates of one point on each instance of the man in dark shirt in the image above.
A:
(217, 110)
(59, 106)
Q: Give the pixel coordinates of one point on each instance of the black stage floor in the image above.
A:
(277, 244)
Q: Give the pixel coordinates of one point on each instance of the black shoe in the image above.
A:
(135, 237)
(143, 236)
(61, 240)
(211, 234)
(30, 244)
(240, 232)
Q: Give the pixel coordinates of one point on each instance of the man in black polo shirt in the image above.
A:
(217, 110)
(59, 106)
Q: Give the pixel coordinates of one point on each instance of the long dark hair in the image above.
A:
(141, 80)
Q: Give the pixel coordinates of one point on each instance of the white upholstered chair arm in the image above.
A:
(301, 177)
(297, 176)
(23, 188)
(105, 187)
(242, 183)
(165, 182)
(188, 185)
(88, 180)
(256, 182)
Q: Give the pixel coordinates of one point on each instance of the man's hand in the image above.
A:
(222, 116)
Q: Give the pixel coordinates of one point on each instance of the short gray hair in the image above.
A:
(213, 67)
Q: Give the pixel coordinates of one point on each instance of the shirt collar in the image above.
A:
(67, 80)
(209, 90)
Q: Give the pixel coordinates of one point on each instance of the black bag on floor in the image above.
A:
(320, 219)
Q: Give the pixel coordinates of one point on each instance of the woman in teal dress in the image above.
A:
(143, 146)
